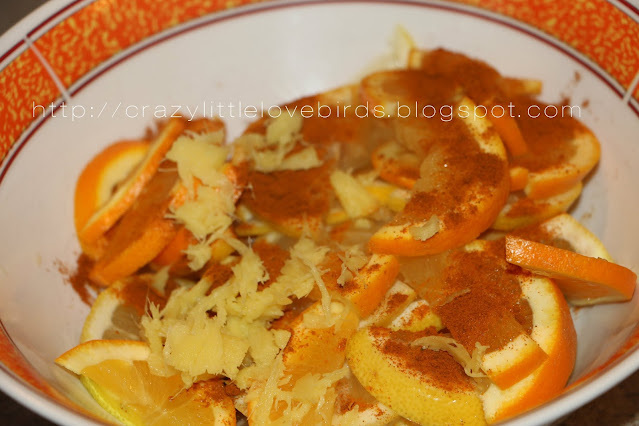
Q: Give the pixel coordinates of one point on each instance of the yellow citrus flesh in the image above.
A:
(413, 392)
(416, 317)
(116, 374)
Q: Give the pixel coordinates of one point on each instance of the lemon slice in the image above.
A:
(116, 374)
(398, 375)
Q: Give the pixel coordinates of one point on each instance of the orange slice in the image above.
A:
(564, 231)
(583, 280)
(142, 233)
(555, 180)
(521, 210)
(554, 331)
(481, 83)
(476, 282)
(561, 150)
(99, 180)
(173, 254)
(124, 197)
(316, 348)
(458, 196)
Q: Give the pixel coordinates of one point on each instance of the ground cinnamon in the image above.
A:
(438, 368)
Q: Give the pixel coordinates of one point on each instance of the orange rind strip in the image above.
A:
(583, 280)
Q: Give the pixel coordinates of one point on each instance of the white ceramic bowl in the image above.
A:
(267, 54)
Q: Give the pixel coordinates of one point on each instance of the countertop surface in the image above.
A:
(617, 407)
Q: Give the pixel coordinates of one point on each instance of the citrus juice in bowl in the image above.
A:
(151, 273)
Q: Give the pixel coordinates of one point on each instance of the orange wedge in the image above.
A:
(554, 331)
(101, 177)
(521, 210)
(463, 187)
(561, 150)
(481, 83)
(564, 231)
(124, 197)
(142, 233)
(583, 280)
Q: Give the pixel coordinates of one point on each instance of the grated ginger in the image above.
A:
(208, 211)
(226, 330)
(273, 151)
(353, 260)
(310, 395)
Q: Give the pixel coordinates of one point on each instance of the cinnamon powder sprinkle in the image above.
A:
(484, 287)
(437, 367)
(288, 195)
(79, 278)
(273, 258)
(549, 140)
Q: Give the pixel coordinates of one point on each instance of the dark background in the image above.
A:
(618, 407)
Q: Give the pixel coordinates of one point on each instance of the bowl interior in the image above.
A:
(218, 67)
